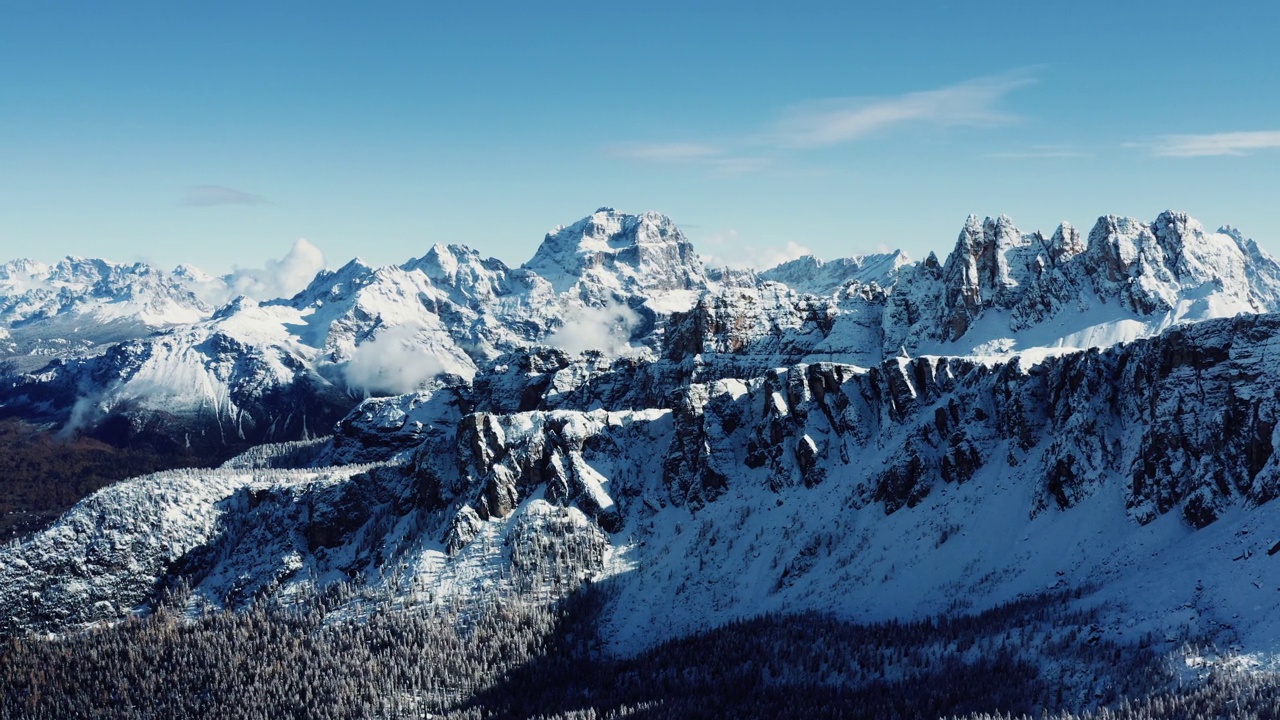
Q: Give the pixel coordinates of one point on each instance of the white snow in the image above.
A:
(768, 543)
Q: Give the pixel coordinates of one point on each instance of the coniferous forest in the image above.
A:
(42, 475)
(346, 655)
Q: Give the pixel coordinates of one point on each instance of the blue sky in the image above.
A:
(218, 134)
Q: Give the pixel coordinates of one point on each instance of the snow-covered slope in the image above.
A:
(815, 276)
(103, 557)
(610, 289)
(239, 377)
(78, 304)
(614, 253)
(1142, 475)
(1003, 291)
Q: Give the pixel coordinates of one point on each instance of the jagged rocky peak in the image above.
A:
(83, 274)
(22, 267)
(1196, 256)
(78, 269)
(1066, 243)
(626, 253)
(460, 267)
(330, 285)
(1151, 266)
(234, 306)
(1168, 271)
(982, 269)
(39, 297)
(187, 271)
(1120, 248)
(1172, 229)
(1173, 252)
(980, 261)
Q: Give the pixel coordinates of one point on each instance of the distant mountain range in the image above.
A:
(873, 437)
(135, 355)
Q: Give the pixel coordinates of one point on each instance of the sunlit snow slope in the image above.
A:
(1071, 413)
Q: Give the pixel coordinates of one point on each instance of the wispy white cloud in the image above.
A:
(280, 278)
(213, 195)
(836, 121)
(607, 329)
(394, 362)
(1226, 143)
(718, 160)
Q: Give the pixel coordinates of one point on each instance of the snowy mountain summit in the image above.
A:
(623, 285)
(1001, 290)
(1091, 416)
(814, 276)
(79, 304)
(628, 254)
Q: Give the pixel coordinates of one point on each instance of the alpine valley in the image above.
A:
(1036, 476)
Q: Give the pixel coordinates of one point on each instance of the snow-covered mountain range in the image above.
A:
(77, 304)
(871, 436)
(626, 285)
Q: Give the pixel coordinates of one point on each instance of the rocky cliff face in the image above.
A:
(753, 449)
(804, 478)
(1001, 289)
(626, 286)
(611, 251)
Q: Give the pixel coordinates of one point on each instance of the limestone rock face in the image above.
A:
(613, 251)
(609, 288)
(878, 430)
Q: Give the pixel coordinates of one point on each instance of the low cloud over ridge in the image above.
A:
(281, 278)
(607, 329)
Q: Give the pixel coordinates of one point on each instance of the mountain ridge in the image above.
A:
(632, 285)
(1083, 421)
(876, 492)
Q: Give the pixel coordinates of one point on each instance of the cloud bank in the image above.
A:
(281, 278)
(393, 363)
(607, 329)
